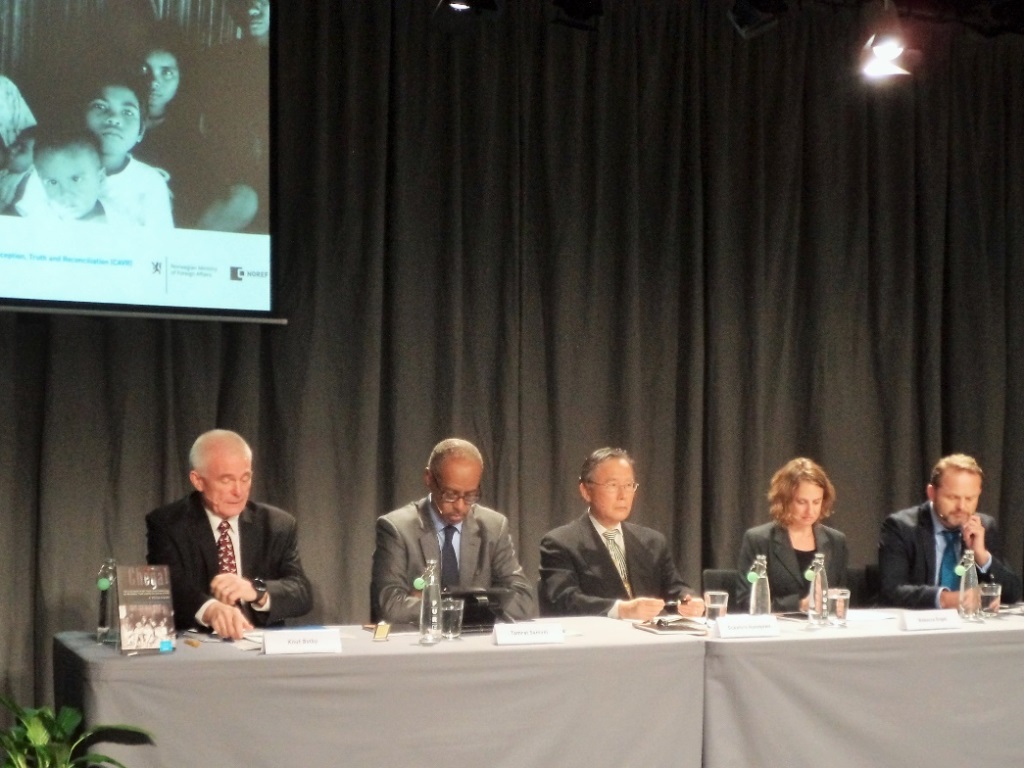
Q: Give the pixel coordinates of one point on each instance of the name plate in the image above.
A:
(308, 640)
(937, 618)
(528, 634)
(745, 625)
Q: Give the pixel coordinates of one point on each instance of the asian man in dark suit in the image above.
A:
(581, 573)
(234, 562)
(919, 547)
(480, 551)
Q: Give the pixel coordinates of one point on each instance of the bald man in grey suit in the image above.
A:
(410, 535)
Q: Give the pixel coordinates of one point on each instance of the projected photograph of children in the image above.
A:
(152, 113)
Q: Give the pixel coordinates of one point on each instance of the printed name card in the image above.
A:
(528, 634)
(306, 640)
(938, 618)
(744, 625)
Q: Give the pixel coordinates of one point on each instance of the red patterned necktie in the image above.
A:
(225, 549)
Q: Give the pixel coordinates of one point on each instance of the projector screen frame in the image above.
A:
(250, 286)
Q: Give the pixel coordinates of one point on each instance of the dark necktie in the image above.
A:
(449, 563)
(225, 549)
(947, 568)
(620, 562)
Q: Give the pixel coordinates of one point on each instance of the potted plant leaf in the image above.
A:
(41, 739)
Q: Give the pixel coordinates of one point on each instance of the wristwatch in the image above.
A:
(261, 590)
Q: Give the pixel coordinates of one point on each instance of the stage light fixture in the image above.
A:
(463, 6)
(578, 14)
(477, 6)
(884, 52)
(755, 17)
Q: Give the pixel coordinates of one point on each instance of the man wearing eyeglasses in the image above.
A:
(601, 565)
(472, 543)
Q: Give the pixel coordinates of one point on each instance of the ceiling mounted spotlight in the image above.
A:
(883, 54)
(458, 16)
(578, 14)
(1008, 14)
(755, 17)
(477, 6)
(456, 9)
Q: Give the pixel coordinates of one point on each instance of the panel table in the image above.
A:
(867, 694)
(610, 695)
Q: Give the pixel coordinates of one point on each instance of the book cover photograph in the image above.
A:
(145, 610)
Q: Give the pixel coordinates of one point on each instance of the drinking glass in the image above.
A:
(716, 603)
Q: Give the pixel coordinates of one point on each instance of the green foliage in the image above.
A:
(41, 739)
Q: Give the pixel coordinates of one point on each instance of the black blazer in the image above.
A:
(906, 560)
(785, 579)
(579, 578)
(179, 535)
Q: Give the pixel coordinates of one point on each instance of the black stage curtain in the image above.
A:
(715, 252)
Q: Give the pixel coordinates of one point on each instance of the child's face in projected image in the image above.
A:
(115, 118)
(19, 158)
(72, 178)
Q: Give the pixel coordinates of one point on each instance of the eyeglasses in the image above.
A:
(616, 487)
(228, 481)
(451, 497)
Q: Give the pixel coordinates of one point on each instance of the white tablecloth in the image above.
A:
(609, 696)
(867, 695)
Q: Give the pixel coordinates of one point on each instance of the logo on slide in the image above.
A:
(237, 273)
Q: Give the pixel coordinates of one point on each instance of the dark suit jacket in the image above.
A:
(406, 539)
(906, 560)
(179, 535)
(579, 578)
(785, 579)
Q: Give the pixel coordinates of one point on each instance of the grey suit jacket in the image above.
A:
(578, 576)
(406, 539)
(179, 535)
(906, 560)
(785, 579)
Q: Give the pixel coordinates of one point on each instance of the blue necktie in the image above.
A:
(449, 563)
(947, 568)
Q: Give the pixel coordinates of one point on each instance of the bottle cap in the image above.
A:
(809, 574)
(752, 576)
(103, 583)
(959, 570)
(418, 583)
